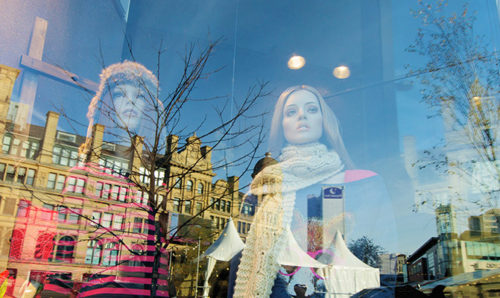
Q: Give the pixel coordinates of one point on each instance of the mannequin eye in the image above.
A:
(312, 109)
(290, 112)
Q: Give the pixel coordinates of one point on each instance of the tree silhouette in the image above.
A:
(461, 80)
(366, 250)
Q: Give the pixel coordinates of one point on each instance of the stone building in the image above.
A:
(75, 220)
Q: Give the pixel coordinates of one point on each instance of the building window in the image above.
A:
(2, 170)
(44, 248)
(159, 176)
(51, 181)
(177, 205)
(223, 205)
(29, 148)
(76, 185)
(137, 227)
(30, 178)
(106, 220)
(141, 198)
(67, 137)
(10, 173)
(23, 208)
(21, 175)
(114, 166)
(212, 200)
(47, 212)
(64, 250)
(217, 204)
(187, 207)
(117, 222)
(93, 255)
(189, 185)
(64, 156)
(200, 188)
(96, 218)
(110, 254)
(177, 183)
(16, 243)
(61, 179)
(228, 206)
(7, 141)
(144, 175)
(67, 215)
(199, 207)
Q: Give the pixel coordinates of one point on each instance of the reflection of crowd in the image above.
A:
(296, 220)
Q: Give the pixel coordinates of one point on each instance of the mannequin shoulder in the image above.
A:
(356, 175)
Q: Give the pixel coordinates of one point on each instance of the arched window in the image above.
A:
(16, 244)
(177, 183)
(200, 188)
(110, 254)
(65, 249)
(93, 255)
(136, 255)
(189, 185)
(44, 246)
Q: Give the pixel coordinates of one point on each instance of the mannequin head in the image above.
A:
(302, 120)
(314, 122)
(128, 101)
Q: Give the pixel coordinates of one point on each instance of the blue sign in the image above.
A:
(333, 192)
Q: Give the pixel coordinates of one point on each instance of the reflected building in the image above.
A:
(450, 254)
(79, 222)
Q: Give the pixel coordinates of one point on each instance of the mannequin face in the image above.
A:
(302, 119)
(129, 104)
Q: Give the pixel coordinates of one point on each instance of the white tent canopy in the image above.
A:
(223, 249)
(292, 255)
(346, 274)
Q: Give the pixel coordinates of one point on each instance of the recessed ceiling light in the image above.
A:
(296, 62)
(341, 72)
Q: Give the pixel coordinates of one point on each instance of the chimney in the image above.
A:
(49, 137)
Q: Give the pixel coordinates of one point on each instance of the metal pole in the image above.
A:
(197, 268)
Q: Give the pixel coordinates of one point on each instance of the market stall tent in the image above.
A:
(223, 249)
(345, 274)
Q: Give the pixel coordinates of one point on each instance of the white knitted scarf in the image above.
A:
(299, 167)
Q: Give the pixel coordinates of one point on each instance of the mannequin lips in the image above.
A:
(302, 127)
(130, 113)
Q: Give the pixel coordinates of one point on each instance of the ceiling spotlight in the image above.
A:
(296, 62)
(341, 72)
